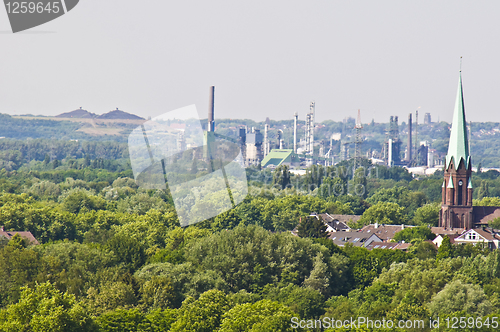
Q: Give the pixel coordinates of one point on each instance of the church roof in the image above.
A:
(458, 147)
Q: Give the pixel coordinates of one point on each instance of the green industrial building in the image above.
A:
(279, 157)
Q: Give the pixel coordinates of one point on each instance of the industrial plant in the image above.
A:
(299, 145)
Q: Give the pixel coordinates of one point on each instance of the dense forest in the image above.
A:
(112, 256)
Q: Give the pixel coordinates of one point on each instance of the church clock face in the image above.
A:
(460, 183)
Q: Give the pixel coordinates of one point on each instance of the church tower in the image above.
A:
(456, 207)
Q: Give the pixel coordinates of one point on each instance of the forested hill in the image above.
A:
(29, 127)
(484, 140)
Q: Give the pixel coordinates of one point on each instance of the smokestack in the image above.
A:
(312, 107)
(416, 137)
(266, 139)
(295, 120)
(389, 159)
(409, 137)
(211, 111)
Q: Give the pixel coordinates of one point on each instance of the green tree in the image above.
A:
(281, 176)
(457, 296)
(80, 199)
(249, 257)
(320, 276)
(359, 183)
(202, 315)
(495, 223)
(110, 296)
(121, 320)
(312, 226)
(445, 250)
(383, 213)
(487, 201)
(423, 250)
(18, 267)
(427, 214)
(483, 190)
(305, 301)
(264, 315)
(411, 233)
(128, 249)
(44, 308)
(158, 293)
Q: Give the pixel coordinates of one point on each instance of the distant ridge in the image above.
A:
(113, 115)
(79, 114)
(117, 114)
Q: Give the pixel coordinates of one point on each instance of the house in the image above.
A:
(477, 236)
(385, 232)
(388, 245)
(439, 239)
(447, 231)
(357, 239)
(338, 222)
(27, 235)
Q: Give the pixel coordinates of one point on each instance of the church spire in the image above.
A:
(458, 147)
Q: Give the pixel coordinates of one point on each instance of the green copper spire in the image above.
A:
(458, 147)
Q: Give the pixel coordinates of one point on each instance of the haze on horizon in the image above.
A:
(266, 59)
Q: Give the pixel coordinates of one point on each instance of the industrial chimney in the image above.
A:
(409, 139)
(295, 120)
(211, 111)
(266, 139)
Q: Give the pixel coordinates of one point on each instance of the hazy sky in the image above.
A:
(266, 58)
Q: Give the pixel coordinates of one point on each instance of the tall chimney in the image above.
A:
(295, 120)
(211, 111)
(266, 139)
(409, 138)
(389, 158)
(312, 107)
(416, 138)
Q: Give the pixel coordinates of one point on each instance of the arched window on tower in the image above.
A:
(460, 191)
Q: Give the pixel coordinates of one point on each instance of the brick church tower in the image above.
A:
(456, 207)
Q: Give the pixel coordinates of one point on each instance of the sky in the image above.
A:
(266, 59)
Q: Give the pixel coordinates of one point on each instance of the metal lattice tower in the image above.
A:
(309, 148)
(358, 140)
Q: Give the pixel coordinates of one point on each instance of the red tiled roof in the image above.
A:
(27, 235)
(446, 231)
(385, 232)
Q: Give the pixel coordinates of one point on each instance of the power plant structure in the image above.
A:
(392, 146)
(209, 135)
(276, 146)
(358, 140)
(309, 133)
(409, 145)
(295, 156)
(253, 146)
(295, 122)
(416, 138)
(266, 140)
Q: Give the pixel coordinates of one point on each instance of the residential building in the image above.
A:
(480, 236)
(9, 234)
(357, 239)
(338, 222)
(384, 232)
